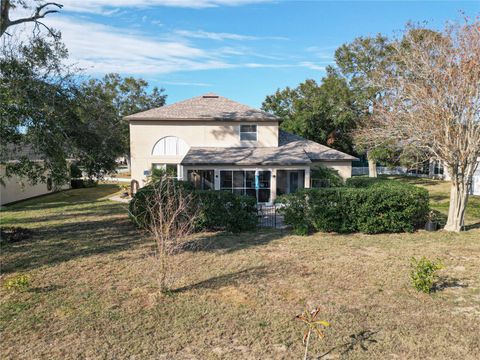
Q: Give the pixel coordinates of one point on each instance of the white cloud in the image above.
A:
(105, 6)
(99, 49)
(325, 52)
(200, 34)
(311, 65)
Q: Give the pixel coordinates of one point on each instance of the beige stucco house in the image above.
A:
(217, 143)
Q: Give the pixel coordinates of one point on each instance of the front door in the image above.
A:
(293, 181)
(262, 183)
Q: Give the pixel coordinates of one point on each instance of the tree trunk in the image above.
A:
(4, 19)
(458, 204)
(372, 167)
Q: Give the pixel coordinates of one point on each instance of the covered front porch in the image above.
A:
(264, 183)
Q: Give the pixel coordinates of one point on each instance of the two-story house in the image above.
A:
(219, 144)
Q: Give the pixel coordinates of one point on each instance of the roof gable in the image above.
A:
(208, 107)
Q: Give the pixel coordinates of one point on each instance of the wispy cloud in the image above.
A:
(107, 6)
(200, 34)
(311, 65)
(100, 49)
(323, 52)
(109, 49)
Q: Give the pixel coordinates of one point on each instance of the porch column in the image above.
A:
(182, 173)
(307, 178)
(216, 180)
(273, 186)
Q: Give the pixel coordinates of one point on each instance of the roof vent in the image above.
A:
(210, 96)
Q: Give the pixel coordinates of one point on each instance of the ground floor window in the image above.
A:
(201, 179)
(170, 169)
(247, 182)
(289, 181)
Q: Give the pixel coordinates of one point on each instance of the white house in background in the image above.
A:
(16, 188)
(217, 143)
(476, 180)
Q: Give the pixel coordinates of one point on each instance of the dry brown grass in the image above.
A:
(94, 293)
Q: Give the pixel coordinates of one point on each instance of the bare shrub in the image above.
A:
(172, 211)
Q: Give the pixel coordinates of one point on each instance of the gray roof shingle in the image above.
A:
(292, 150)
(210, 107)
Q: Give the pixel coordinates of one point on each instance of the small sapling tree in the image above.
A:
(170, 213)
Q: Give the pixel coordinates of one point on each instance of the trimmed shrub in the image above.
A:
(219, 210)
(81, 183)
(392, 206)
(363, 182)
(387, 206)
(227, 211)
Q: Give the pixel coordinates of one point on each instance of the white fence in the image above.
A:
(382, 170)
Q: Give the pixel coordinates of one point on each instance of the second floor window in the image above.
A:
(248, 132)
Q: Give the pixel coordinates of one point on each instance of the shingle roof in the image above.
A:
(314, 151)
(206, 107)
(292, 150)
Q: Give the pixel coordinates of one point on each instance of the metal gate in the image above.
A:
(269, 217)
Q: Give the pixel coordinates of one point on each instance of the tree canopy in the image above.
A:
(323, 112)
(49, 108)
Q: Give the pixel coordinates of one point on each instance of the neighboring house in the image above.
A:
(15, 188)
(476, 180)
(217, 143)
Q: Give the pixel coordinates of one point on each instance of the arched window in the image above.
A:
(170, 146)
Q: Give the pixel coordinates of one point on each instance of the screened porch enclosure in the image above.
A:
(263, 184)
(254, 183)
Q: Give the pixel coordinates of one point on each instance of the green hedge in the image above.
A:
(227, 211)
(387, 206)
(362, 181)
(219, 210)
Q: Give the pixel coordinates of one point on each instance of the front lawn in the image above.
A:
(93, 291)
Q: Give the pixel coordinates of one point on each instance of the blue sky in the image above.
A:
(242, 49)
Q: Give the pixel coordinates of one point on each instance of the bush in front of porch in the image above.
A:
(380, 207)
(218, 210)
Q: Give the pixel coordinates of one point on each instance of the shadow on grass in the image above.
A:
(446, 282)
(45, 289)
(359, 340)
(225, 280)
(439, 197)
(472, 226)
(414, 180)
(233, 242)
(68, 241)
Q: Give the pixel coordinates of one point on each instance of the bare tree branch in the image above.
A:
(5, 22)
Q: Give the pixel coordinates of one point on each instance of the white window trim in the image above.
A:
(249, 132)
(181, 147)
